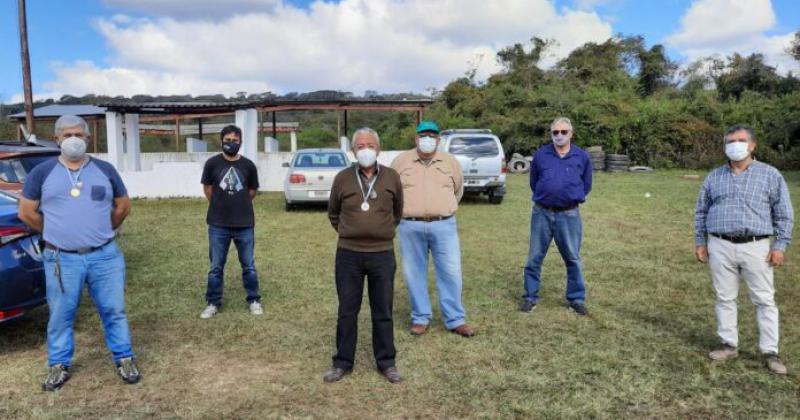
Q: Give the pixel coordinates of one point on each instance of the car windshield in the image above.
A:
(320, 160)
(474, 146)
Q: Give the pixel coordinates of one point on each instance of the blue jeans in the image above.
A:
(566, 228)
(104, 272)
(439, 238)
(219, 241)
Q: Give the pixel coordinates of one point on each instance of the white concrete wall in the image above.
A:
(166, 175)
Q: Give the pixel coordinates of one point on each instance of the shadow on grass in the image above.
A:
(665, 322)
(25, 333)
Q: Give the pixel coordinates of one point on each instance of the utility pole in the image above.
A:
(26, 66)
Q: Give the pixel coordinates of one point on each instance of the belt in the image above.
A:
(428, 219)
(79, 251)
(557, 209)
(740, 239)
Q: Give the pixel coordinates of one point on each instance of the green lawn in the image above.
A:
(640, 353)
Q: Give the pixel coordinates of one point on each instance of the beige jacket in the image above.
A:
(429, 190)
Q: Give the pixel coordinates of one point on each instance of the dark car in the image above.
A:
(22, 284)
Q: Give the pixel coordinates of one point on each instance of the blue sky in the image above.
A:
(174, 46)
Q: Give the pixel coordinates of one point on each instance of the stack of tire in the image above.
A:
(617, 163)
(598, 157)
(519, 164)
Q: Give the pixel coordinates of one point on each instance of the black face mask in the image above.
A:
(230, 148)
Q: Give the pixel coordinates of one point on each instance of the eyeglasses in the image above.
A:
(562, 132)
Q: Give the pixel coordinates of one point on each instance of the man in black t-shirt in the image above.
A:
(230, 182)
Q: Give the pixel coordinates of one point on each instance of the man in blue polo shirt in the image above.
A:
(77, 202)
(561, 178)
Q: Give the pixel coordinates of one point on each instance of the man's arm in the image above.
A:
(700, 233)
(587, 175)
(335, 203)
(782, 221)
(252, 194)
(458, 179)
(29, 214)
(252, 181)
(207, 189)
(122, 208)
(533, 174)
(398, 201)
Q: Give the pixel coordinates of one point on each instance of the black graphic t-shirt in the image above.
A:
(230, 204)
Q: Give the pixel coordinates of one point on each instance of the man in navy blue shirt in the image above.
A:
(561, 178)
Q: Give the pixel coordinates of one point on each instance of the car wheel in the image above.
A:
(495, 199)
(288, 206)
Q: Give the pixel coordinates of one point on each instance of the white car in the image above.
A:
(311, 174)
(482, 160)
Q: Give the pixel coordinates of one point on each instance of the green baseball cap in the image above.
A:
(427, 126)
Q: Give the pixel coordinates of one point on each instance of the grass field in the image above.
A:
(640, 353)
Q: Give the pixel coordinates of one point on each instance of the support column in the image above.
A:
(274, 125)
(177, 135)
(344, 144)
(132, 141)
(293, 141)
(114, 140)
(247, 121)
(95, 135)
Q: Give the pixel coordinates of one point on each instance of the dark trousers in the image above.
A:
(379, 269)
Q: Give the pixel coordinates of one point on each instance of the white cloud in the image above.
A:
(353, 45)
(593, 4)
(191, 9)
(721, 27)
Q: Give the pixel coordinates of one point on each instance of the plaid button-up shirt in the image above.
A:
(753, 203)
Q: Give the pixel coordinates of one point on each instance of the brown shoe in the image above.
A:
(463, 330)
(419, 329)
(724, 352)
(774, 364)
(392, 375)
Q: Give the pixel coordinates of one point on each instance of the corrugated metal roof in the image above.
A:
(229, 106)
(55, 111)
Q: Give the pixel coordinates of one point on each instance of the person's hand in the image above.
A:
(775, 258)
(701, 253)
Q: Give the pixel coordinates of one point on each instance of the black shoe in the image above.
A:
(579, 308)
(57, 375)
(127, 370)
(392, 375)
(527, 305)
(334, 374)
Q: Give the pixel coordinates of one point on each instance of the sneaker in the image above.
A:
(127, 370)
(579, 308)
(724, 352)
(209, 311)
(774, 364)
(57, 375)
(527, 305)
(256, 308)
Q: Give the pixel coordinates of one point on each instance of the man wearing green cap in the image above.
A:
(432, 187)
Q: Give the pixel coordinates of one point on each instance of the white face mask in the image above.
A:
(366, 157)
(737, 150)
(560, 140)
(427, 144)
(73, 148)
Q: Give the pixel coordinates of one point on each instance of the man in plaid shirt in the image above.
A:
(740, 205)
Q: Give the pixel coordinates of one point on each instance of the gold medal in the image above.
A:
(75, 192)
